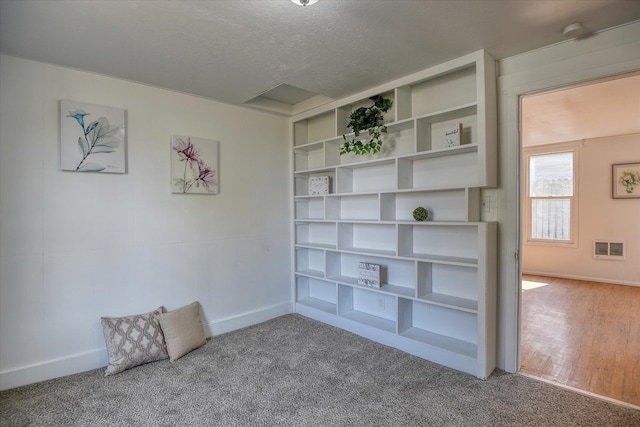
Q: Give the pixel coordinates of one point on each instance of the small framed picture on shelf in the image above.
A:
(319, 185)
(369, 274)
(453, 135)
(626, 180)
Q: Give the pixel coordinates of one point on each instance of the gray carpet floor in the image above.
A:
(294, 371)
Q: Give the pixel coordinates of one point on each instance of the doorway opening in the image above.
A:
(580, 313)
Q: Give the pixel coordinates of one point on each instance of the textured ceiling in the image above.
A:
(235, 50)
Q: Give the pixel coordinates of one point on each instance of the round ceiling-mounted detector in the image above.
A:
(304, 2)
(573, 30)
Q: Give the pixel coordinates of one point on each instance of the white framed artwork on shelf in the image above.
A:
(319, 185)
(92, 138)
(194, 165)
(453, 135)
(369, 274)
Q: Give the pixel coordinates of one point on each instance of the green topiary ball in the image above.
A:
(420, 214)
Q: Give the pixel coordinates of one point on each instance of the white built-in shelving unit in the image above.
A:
(438, 299)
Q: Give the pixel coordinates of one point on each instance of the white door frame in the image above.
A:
(606, 54)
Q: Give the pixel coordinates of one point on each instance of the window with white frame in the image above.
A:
(550, 208)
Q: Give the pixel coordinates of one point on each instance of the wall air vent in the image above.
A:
(605, 249)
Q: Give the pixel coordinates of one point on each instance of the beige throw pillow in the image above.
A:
(183, 331)
(133, 340)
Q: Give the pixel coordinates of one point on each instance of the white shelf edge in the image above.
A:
(308, 196)
(441, 152)
(383, 161)
(395, 126)
(363, 251)
(309, 245)
(426, 190)
(448, 301)
(439, 223)
(439, 259)
(305, 148)
(359, 221)
(312, 274)
(311, 171)
(400, 125)
(453, 345)
(362, 194)
(468, 109)
(391, 222)
(370, 320)
(318, 304)
(364, 221)
(386, 288)
(391, 257)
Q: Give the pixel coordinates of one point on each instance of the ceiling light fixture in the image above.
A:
(304, 2)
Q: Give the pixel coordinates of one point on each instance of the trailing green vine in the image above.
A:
(369, 120)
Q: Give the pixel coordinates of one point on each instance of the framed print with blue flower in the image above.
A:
(194, 165)
(92, 138)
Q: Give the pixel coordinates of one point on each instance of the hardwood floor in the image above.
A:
(582, 334)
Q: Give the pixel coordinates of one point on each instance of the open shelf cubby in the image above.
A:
(314, 129)
(451, 286)
(451, 330)
(310, 156)
(369, 308)
(374, 175)
(316, 234)
(310, 262)
(362, 207)
(439, 242)
(309, 208)
(367, 238)
(450, 205)
(301, 180)
(316, 294)
(454, 167)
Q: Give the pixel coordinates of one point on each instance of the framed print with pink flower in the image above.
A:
(194, 165)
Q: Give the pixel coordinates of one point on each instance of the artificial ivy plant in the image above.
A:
(369, 120)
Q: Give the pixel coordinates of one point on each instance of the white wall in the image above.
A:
(607, 53)
(74, 247)
(599, 217)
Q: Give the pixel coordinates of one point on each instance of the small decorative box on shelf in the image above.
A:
(369, 274)
(319, 185)
(453, 135)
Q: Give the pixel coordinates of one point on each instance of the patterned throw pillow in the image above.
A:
(133, 340)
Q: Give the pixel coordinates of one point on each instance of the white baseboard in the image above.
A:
(580, 391)
(221, 326)
(586, 278)
(94, 359)
(53, 369)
